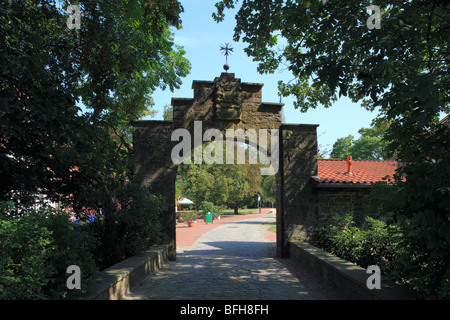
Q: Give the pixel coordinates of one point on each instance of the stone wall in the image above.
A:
(115, 282)
(346, 200)
(348, 278)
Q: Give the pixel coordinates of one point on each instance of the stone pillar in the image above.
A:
(297, 200)
(155, 170)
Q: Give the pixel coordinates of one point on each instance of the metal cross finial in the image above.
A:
(227, 49)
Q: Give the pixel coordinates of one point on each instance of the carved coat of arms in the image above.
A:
(228, 101)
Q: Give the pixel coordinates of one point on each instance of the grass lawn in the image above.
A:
(271, 226)
(229, 211)
(241, 211)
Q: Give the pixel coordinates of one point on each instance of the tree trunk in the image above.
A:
(236, 210)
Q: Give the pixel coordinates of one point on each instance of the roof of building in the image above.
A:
(445, 120)
(362, 172)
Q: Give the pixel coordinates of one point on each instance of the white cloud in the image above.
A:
(189, 41)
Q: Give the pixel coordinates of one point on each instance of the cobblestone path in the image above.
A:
(234, 261)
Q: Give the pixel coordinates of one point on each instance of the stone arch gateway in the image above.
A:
(223, 104)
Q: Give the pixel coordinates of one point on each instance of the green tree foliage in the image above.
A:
(50, 145)
(342, 148)
(239, 188)
(370, 146)
(421, 202)
(121, 54)
(400, 70)
(268, 189)
(168, 112)
(231, 185)
(197, 182)
(35, 252)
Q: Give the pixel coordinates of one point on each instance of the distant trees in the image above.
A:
(370, 146)
(232, 185)
(168, 112)
(268, 188)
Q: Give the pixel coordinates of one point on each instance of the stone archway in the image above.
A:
(224, 104)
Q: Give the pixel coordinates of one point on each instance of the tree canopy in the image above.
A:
(231, 185)
(370, 146)
(122, 52)
(401, 69)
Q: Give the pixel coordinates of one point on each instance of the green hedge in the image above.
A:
(210, 207)
(35, 251)
(376, 243)
(372, 243)
(37, 247)
(136, 225)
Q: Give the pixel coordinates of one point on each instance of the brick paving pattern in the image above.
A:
(231, 259)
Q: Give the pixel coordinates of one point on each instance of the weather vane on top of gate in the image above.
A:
(227, 49)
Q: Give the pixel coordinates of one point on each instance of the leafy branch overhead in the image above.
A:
(401, 70)
(112, 64)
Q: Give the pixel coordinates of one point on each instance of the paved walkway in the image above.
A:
(232, 259)
(188, 236)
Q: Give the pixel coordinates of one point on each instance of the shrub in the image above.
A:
(375, 242)
(210, 207)
(382, 244)
(24, 248)
(69, 248)
(218, 210)
(207, 207)
(136, 225)
(190, 216)
(37, 247)
(35, 251)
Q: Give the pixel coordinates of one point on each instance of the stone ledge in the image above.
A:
(115, 282)
(347, 277)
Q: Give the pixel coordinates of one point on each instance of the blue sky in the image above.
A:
(201, 37)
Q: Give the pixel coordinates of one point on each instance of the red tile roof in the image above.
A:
(364, 172)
